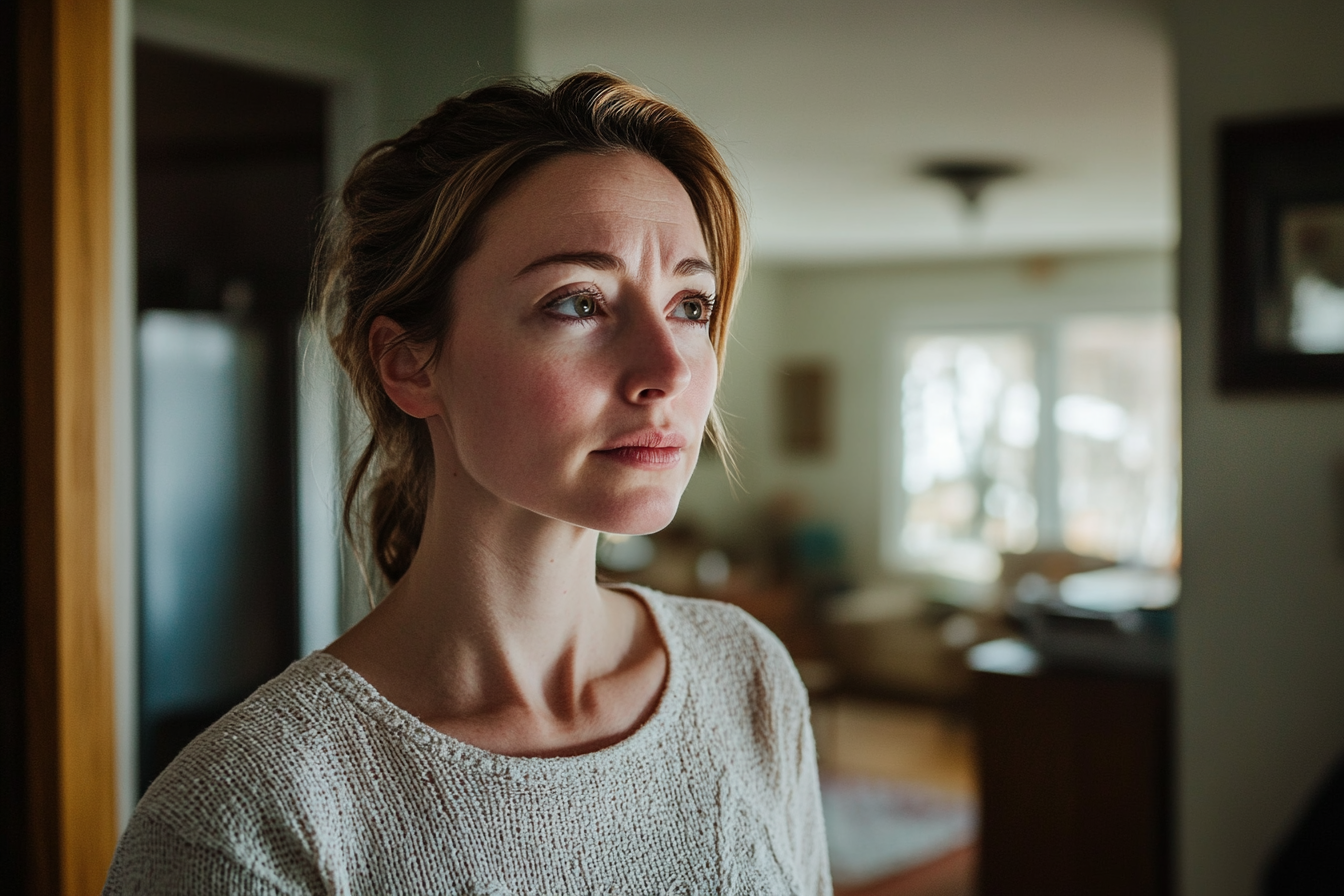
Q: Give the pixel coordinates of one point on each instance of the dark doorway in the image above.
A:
(229, 170)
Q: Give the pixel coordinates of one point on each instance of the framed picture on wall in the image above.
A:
(1281, 212)
(805, 408)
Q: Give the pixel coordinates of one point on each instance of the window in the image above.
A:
(970, 421)
(1013, 439)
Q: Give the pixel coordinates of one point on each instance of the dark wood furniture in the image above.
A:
(1075, 784)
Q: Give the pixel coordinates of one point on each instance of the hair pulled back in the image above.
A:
(410, 214)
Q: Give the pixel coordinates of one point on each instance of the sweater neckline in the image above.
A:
(356, 689)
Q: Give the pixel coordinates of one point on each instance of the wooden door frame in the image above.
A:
(67, 275)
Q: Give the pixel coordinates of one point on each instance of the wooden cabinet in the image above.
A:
(1075, 773)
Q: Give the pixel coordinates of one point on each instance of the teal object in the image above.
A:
(817, 547)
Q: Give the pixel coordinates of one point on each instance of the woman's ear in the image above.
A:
(404, 368)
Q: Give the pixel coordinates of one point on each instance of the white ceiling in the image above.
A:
(825, 109)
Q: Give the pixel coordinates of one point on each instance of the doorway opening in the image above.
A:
(229, 182)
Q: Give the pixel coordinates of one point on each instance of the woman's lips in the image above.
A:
(644, 456)
(649, 449)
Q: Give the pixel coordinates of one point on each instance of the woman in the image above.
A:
(531, 291)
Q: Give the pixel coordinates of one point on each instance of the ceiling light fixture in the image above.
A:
(970, 177)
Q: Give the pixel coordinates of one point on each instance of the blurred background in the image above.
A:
(953, 386)
(954, 392)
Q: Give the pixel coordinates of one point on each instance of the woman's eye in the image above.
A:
(693, 308)
(581, 305)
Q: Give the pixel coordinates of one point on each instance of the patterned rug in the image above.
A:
(876, 829)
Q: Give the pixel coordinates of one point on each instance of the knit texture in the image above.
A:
(318, 784)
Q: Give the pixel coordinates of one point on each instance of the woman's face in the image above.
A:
(578, 373)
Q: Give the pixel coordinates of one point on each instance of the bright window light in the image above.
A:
(970, 414)
(1119, 445)
(981, 434)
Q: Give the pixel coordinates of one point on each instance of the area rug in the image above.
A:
(952, 875)
(876, 829)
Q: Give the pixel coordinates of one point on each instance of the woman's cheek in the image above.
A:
(552, 399)
(704, 384)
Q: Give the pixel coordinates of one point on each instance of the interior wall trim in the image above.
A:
(66, 199)
(351, 113)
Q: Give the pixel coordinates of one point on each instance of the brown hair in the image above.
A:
(410, 214)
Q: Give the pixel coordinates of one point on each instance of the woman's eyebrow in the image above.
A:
(598, 261)
(694, 266)
(604, 261)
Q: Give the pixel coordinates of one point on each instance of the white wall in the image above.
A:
(714, 504)
(850, 317)
(416, 52)
(1261, 619)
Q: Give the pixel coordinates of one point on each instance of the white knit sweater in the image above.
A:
(318, 784)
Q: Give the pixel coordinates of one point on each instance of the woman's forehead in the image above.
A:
(584, 202)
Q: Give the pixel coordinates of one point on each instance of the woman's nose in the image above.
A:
(655, 366)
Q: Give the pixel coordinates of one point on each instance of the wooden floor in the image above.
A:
(896, 741)
(902, 742)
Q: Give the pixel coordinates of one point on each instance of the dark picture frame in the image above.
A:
(1281, 302)
(805, 392)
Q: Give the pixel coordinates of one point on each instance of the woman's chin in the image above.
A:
(642, 515)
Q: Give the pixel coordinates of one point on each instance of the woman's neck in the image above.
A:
(510, 596)
(499, 634)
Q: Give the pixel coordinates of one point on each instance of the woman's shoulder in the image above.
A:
(234, 808)
(745, 704)
(710, 618)
(283, 741)
(721, 641)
